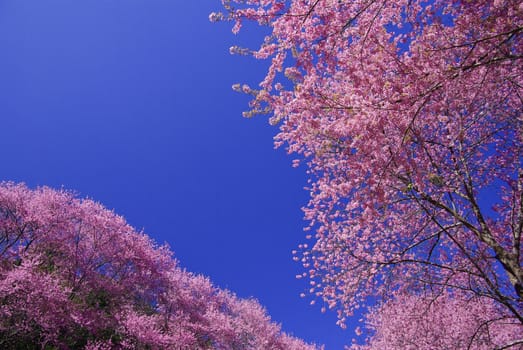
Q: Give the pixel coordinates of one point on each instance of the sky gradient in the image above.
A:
(130, 103)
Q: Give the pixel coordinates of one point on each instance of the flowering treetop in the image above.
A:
(75, 275)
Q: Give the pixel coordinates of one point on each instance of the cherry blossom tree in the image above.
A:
(408, 115)
(74, 275)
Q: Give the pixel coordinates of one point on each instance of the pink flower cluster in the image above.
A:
(75, 275)
(448, 321)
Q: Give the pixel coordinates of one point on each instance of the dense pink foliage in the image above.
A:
(448, 322)
(408, 114)
(75, 275)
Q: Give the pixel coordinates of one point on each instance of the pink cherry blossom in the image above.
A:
(408, 115)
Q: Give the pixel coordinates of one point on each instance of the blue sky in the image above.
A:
(130, 103)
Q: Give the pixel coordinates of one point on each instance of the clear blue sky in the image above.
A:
(130, 103)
